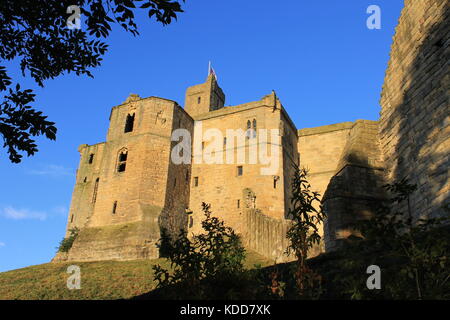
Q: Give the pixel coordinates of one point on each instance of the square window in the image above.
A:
(240, 170)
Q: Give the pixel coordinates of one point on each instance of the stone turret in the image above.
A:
(205, 97)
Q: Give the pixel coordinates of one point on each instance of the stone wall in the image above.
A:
(266, 235)
(173, 217)
(220, 185)
(124, 241)
(343, 161)
(412, 137)
(415, 112)
(86, 185)
(356, 188)
(320, 151)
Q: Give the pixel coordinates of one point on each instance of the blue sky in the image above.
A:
(324, 63)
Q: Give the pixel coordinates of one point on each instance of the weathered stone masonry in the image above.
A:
(127, 189)
(412, 137)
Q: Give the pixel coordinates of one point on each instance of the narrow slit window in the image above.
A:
(91, 158)
(199, 100)
(114, 210)
(71, 219)
(94, 194)
(195, 181)
(240, 171)
(187, 176)
(129, 124)
(238, 203)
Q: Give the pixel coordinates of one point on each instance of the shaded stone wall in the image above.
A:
(345, 167)
(321, 150)
(82, 204)
(413, 135)
(355, 190)
(415, 112)
(173, 218)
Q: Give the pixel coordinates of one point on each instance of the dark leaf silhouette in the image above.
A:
(36, 35)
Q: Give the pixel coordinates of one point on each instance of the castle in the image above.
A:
(129, 190)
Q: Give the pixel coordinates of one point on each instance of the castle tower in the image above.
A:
(127, 190)
(205, 97)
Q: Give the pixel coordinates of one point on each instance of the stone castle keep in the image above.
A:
(128, 190)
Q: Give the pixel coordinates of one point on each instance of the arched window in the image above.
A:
(94, 194)
(249, 127)
(199, 100)
(254, 128)
(122, 161)
(129, 124)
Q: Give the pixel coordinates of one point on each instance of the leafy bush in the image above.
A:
(66, 243)
(206, 265)
(306, 214)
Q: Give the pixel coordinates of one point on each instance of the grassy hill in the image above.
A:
(99, 280)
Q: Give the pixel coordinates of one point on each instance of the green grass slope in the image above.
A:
(99, 280)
